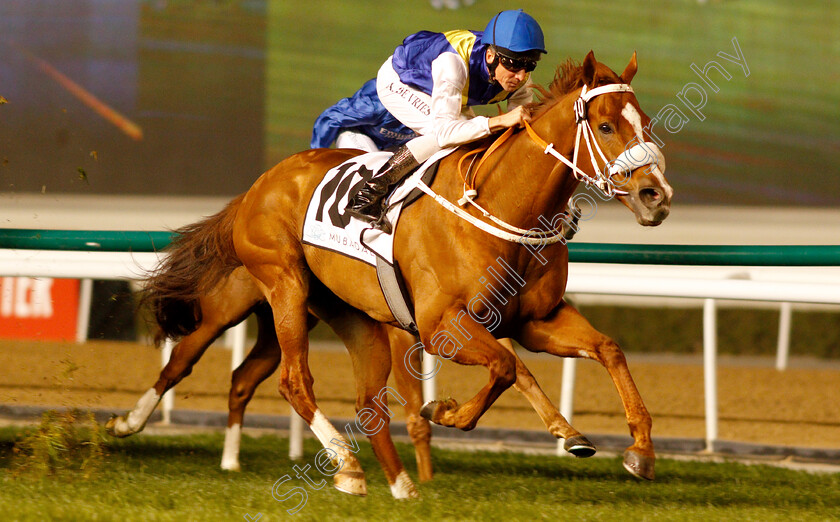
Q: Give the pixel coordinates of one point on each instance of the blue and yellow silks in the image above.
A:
(364, 113)
(413, 63)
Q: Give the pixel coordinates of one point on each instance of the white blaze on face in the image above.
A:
(635, 119)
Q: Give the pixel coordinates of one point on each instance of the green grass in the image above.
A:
(177, 478)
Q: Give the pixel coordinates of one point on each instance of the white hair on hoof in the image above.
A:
(403, 487)
(135, 421)
(350, 479)
(351, 482)
(230, 454)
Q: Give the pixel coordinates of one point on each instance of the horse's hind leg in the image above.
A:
(566, 333)
(367, 344)
(574, 442)
(184, 355)
(260, 363)
(411, 389)
(285, 283)
(228, 304)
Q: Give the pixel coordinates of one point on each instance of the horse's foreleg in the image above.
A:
(260, 363)
(574, 442)
(468, 344)
(566, 333)
(411, 389)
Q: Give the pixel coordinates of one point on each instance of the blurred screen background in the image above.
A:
(198, 98)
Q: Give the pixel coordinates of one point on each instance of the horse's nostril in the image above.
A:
(650, 196)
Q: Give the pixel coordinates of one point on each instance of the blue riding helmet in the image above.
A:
(516, 31)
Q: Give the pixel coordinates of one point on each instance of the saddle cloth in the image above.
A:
(327, 226)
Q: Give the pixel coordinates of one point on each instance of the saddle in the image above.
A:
(327, 226)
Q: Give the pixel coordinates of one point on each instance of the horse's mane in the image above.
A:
(568, 77)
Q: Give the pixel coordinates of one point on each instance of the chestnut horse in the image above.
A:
(189, 305)
(443, 257)
(527, 181)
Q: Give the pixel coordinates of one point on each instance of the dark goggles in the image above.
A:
(515, 65)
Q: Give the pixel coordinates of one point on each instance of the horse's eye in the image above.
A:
(606, 128)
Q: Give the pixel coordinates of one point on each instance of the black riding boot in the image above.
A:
(367, 203)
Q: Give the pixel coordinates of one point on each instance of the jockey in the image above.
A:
(432, 80)
(360, 122)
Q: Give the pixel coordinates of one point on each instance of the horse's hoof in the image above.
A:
(109, 426)
(428, 410)
(640, 466)
(403, 487)
(231, 466)
(117, 427)
(351, 482)
(435, 411)
(579, 446)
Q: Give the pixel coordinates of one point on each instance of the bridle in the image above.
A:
(602, 179)
(625, 162)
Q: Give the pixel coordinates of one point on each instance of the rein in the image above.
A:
(601, 180)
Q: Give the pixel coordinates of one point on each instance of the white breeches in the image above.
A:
(355, 140)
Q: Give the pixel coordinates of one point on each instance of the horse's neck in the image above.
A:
(524, 183)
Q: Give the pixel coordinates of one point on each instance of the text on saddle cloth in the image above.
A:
(326, 224)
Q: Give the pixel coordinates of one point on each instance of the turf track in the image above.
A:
(176, 478)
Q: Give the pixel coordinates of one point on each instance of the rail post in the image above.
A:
(783, 346)
(710, 371)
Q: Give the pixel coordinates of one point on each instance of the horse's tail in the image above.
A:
(200, 256)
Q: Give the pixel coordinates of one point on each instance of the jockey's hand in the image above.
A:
(515, 118)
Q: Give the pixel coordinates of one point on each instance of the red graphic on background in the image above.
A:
(38, 308)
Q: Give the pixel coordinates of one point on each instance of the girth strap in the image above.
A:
(390, 281)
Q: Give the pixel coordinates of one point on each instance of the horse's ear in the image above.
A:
(589, 68)
(630, 70)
